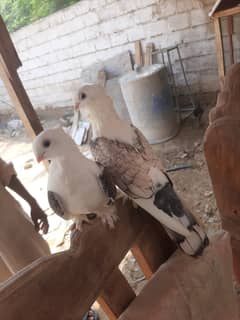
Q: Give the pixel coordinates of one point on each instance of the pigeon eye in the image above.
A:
(46, 143)
(83, 96)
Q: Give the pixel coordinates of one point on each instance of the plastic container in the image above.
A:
(150, 102)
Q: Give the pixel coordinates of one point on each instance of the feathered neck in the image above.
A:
(110, 126)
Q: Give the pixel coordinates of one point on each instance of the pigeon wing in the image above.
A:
(127, 164)
(107, 184)
(55, 203)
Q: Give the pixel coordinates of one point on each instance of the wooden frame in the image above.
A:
(217, 14)
(222, 154)
(64, 285)
(220, 52)
(9, 63)
(227, 13)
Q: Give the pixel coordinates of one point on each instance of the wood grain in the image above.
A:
(220, 53)
(20, 100)
(230, 38)
(64, 286)
(222, 152)
(152, 248)
(227, 12)
(116, 296)
(148, 54)
(138, 53)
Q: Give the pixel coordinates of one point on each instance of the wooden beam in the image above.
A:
(7, 49)
(65, 285)
(102, 78)
(152, 248)
(5, 272)
(20, 99)
(227, 12)
(116, 296)
(230, 38)
(148, 54)
(220, 53)
(138, 53)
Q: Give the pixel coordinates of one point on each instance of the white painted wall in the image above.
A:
(55, 49)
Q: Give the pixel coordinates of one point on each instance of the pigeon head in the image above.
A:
(52, 143)
(93, 102)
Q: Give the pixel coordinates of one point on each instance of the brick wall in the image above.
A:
(55, 49)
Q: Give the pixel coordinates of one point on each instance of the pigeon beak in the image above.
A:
(77, 106)
(39, 159)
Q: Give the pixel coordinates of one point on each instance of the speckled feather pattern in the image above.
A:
(128, 164)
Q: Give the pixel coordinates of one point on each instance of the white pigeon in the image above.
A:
(123, 150)
(78, 188)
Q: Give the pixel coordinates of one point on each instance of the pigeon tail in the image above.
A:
(167, 200)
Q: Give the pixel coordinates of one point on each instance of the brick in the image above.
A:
(90, 18)
(145, 3)
(209, 82)
(83, 48)
(119, 38)
(143, 15)
(178, 22)
(82, 7)
(198, 49)
(165, 8)
(184, 5)
(197, 64)
(73, 25)
(118, 24)
(155, 28)
(110, 1)
(199, 17)
(96, 4)
(110, 11)
(73, 39)
(136, 33)
(88, 59)
(103, 43)
(202, 32)
(129, 6)
(91, 32)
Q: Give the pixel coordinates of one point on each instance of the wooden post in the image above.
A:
(64, 286)
(230, 38)
(5, 272)
(148, 54)
(152, 248)
(9, 63)
(222, 153)
(116, 296)
(220, 53)
(138, 53)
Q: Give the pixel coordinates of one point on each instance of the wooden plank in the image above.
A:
(230, 38)
(116, 296)
(138, 53)
(20, 99)
(152, 248)
(227, 12)
(222, 153)
(148, 55)
(220, 53)
(5, 272)
(64, 286)
(102, 78)
(7, 49)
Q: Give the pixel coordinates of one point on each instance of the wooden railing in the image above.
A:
(64, 285)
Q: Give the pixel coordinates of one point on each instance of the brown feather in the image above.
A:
(128, 165)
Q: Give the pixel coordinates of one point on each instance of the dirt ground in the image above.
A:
(186, 149)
